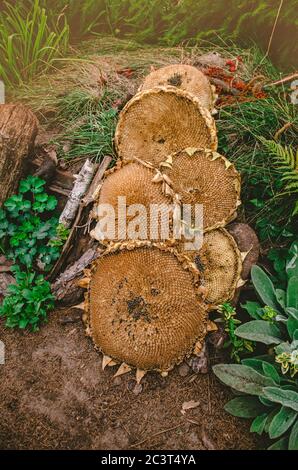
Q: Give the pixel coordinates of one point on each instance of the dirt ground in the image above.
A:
(54, 395)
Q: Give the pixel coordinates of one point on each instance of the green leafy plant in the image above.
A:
(28, 43)
(237, 345)
(91, 123)
(26, 230)
(61, 236)
(269, 382)
(267, 205)
(27, 301)
(286, 161)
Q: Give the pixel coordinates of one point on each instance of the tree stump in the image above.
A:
(18, 130)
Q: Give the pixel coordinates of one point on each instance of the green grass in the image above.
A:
(88, 124)
(34, 34)
(266, 205)
(28, 45)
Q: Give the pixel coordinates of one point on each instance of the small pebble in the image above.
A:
(138, 389)
(117, 381)
(183, 370)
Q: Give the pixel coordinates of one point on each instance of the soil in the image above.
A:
(54, 395)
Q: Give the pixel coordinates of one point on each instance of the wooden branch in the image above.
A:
(289, 78)
(80, 188)
(18, 130)
(88, 199)
(65, 288)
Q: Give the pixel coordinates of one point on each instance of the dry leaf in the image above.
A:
(191, 151)
(188, 405)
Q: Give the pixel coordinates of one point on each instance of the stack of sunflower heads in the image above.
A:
(148, 299)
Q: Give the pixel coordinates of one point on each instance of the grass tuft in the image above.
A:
(28, 45)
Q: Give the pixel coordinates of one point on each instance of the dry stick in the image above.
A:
(272, 32)
(286, 79)
(79, 189)
(282, 130)
(157, 434)
(65, 286)
(83, 203)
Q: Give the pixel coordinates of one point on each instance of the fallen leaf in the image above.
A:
(188, 405)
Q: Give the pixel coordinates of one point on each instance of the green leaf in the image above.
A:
(244, 407)
(292, 261)
(292, 326)
(264, 287)
(282, 422)
(43, 197)
(293, 312)
(292, 293)
(287, 398)
(293, 440)
(25, 186)
(52, 203)
(256, 364)
(271, 416)
(252, 308)
(270, 371)
(258, 424)
(261, 331)
(281, 444)
(242, 378)
(281, 297)
(266, 402)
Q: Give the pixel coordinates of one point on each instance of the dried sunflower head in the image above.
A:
(161, 121)
(144, 306)
(220, 264)
(204, 177)
(131, 188)
(185, 77)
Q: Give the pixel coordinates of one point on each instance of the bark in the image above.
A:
(88, 198)
(5, 280)
(80, 188)
(65, 288)
(18, 130)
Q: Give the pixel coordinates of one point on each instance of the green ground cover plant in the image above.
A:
(246, 132)
(27, 301)
(268, 383)
(32, 238)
